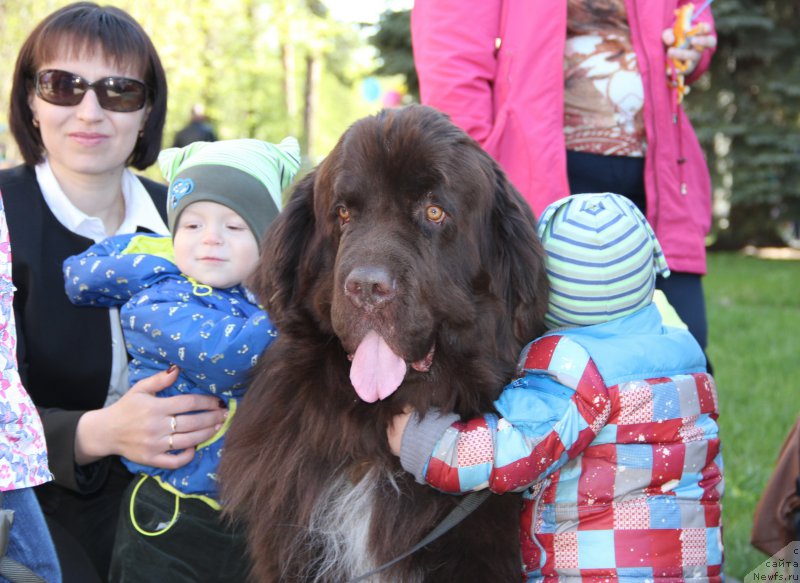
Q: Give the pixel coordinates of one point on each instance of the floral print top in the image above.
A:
(23, 453)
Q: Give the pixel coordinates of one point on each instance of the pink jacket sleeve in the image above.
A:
(454, 53)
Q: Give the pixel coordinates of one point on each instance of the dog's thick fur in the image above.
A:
(306, 463)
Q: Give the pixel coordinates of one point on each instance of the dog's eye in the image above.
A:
(434, 213)
(343, 213)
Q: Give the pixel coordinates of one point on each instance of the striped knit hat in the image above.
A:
(602, 259)
(247, 176)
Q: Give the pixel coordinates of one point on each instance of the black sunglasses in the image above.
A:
(113, 93)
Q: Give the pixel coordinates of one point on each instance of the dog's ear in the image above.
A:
(517, 259)
(283, 250)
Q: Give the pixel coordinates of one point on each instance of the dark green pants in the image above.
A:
(194, 544)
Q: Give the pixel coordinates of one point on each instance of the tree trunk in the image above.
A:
(313, 75)
(289, 85)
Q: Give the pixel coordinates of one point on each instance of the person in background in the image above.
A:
(23, 455)
(88, 101)
(197, 130)
(184, 302)
(580, 96)
(610, 431)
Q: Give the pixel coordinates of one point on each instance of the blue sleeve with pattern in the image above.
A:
(213, 347)
(111, 272)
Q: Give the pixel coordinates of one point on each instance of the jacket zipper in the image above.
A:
(681, 157)
(535, 519)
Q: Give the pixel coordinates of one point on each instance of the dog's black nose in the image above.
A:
(369, 287)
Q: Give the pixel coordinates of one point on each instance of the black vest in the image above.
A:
(64, 351)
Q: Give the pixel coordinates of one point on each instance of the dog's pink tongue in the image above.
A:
(376, 371)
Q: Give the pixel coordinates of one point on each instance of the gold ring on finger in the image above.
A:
(171, 435)
(173, 424)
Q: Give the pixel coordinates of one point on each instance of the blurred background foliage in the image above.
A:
(747, 113)
(270, 68)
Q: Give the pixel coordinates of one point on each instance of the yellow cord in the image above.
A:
(133, 514)
(222, 430)
(199, 289)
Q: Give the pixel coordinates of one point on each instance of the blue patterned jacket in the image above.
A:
(214, 335)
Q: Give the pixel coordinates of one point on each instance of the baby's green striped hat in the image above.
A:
(248, 176)
(602, 259)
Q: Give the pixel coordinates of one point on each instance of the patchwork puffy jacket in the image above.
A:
(611, 435)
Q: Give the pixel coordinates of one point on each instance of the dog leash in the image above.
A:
(464, 508)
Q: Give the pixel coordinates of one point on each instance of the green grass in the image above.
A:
(754, 344)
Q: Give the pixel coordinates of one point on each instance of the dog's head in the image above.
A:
(409, 245)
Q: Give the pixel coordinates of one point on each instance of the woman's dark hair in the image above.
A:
(85, 28)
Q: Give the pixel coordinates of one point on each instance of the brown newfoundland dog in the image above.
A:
(404, 271)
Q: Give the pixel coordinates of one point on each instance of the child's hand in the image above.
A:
(689, 54)
(395, 430)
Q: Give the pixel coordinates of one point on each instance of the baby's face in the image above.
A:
(214, 245)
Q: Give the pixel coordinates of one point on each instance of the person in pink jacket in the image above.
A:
(577, 96)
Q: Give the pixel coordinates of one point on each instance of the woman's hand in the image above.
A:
(395, 431)
(691, 54)
(143, 427)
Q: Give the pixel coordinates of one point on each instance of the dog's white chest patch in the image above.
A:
(340, 526)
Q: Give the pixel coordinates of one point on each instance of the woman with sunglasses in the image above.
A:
(88, 100)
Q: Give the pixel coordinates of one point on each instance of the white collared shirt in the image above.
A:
(140, 211)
